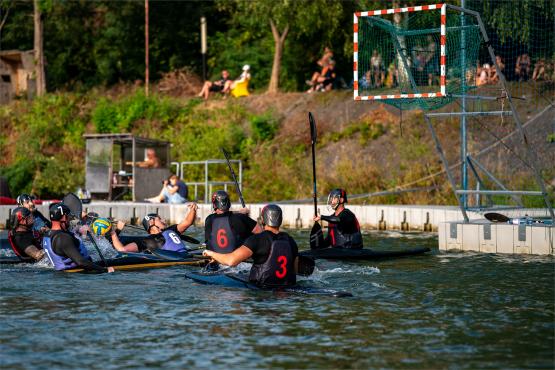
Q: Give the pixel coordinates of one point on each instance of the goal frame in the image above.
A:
(442, 58)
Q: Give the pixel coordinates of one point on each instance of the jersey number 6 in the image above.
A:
(221, 238)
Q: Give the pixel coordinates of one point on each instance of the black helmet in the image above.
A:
(24, 198)
(59, 210)
(220, 200)
(337, 193)
(18, 215)
(147, 219)
(272, 215)
(90, 217)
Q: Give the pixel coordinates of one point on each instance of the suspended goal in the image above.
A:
(415, 57)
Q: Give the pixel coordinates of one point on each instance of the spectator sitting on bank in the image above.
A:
(324, 63)
(482, 74)
(392, 76)
(376, 63)
(174, 191)
(539, 70)
(522, 68)
(243, 78)
(494, 77)
(216, 86)
(151, 160)
(325, 82)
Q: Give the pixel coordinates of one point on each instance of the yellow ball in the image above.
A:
(101, 226)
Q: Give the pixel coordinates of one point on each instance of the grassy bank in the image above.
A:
(362, 148)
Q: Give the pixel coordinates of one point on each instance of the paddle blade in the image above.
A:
(312, 127)
(74, 204)
(305, 266)
(496, 217)
(316, 237)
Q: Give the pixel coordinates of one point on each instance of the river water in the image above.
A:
(445, 310)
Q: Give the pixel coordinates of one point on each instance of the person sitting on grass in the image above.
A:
(216, 86)
(174, 191)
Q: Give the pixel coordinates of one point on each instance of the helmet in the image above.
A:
(24, 198)
(18, 215)
(220, 200)
(272, 215)
(337, 193)
(58, 210)
(90, 217)
(147, 219)
(101, 226)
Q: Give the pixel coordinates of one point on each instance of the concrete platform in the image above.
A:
(484, 236)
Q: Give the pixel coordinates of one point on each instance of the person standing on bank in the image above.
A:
(63, 248)
(343, 226)
(274, 253)
(225, 231)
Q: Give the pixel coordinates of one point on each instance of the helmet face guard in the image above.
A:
(221, 201)
(150, 220)
(334, 198)
(272, 215)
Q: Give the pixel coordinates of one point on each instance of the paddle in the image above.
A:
(234, 178)
(316, 235)
(496, 217)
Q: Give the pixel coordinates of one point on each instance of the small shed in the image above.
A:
(119, 164)
(16, 75)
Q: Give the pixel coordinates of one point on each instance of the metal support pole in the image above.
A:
(479, 182)
(472, 161)
(203, 45)
(446, 166)
(146, 49)
(464, 169)
(206, 182)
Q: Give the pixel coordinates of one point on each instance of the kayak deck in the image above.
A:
(241, 280)
(361, 254)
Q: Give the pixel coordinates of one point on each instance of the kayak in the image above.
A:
(360, 254)
(241, 280)
(133, 261)
(128, 261)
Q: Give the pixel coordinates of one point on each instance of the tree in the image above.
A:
(38, 47)
(285, 18)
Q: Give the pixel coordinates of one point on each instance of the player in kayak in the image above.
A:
(24, 241)
(225, 231)
(274, 253)
(161, 235)
(63, 248)
(343, 226)
(42, 224)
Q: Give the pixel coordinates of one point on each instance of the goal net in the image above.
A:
(419, 57)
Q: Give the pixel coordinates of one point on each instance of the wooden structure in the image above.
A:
(115, 166)
(16, 75)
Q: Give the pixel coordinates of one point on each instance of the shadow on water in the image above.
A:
(463, 310)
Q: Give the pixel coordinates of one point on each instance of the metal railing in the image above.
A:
(207, 184)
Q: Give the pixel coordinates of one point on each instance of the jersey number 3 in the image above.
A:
(283, 264)
(221, 238)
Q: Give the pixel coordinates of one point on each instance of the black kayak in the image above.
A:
(360, 254)
(130, 261)
(239, 280)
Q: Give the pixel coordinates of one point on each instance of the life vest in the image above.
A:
(62, 263)
(173, 242)
(18, 252)
(222, 238)
(279, 269)
(344, 240)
